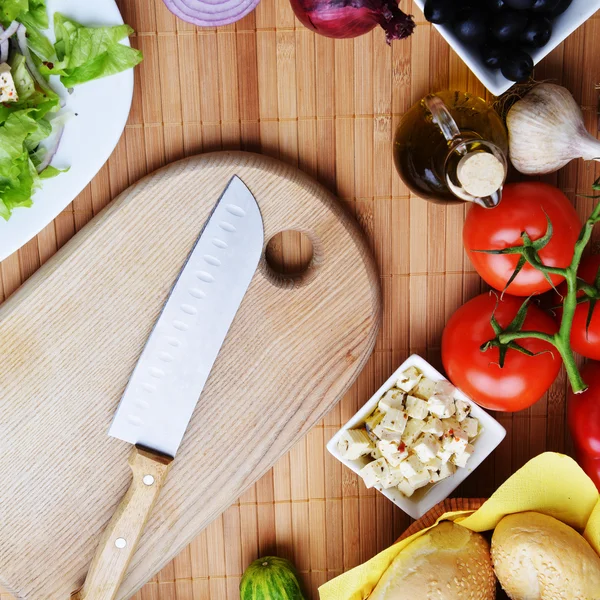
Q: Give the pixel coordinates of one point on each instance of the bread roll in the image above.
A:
(448, 562)
(537, 557)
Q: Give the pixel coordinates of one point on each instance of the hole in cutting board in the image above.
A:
(289, 254)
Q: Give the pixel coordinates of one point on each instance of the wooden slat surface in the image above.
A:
(267, 84)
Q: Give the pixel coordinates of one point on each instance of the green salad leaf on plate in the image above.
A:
(32, 118)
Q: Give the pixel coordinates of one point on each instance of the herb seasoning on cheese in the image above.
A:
(418, 435)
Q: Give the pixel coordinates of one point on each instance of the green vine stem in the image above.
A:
(506, 338)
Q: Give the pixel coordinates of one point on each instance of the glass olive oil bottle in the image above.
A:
(451, 147)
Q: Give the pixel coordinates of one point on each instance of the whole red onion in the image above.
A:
(351, 18)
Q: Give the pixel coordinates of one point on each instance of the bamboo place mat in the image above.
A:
(266, 84)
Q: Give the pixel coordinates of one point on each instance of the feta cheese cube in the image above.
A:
(355, 443)
(373, 420)
(376, 453)
(450, 424)
(391, 452)
(420, 479)
(463, 410)
(375, 472)
(405, 488)
(425, 388)
(446, 470)
(471, 427)
(388, 435)
(391, 399)
(444, 388)
(395, 420)
(411, 466)
(416, 408)
(8, 90)
(441, 406)
(409, 379)
(412, 431)
(433, 425)
(458, 441)
(445, 455)
(460, 460)
(426, 447)
(433, 464)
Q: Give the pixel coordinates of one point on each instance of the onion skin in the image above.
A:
(351, 18)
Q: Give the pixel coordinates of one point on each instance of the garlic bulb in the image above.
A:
(547, 131)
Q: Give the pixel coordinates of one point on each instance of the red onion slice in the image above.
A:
(53, 148)
(211, 13)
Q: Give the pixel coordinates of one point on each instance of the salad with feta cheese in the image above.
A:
(32, 114)
(418, 434)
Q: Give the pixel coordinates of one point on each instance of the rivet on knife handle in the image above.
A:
(120, 539)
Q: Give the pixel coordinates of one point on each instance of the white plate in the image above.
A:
(425, 499)
(564, 25)
(102, 108)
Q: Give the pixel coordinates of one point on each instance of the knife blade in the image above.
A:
(169, 377)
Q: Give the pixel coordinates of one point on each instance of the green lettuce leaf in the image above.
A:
(11, 9)
(37, 42)
(87, 53)
(39, 13)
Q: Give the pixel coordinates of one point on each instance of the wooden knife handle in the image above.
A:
(120, 538)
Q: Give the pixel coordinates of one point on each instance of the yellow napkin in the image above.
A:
(551, 483)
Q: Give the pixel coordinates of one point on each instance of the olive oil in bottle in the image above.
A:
(452, 147)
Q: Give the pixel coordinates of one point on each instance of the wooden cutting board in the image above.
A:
(70, 337)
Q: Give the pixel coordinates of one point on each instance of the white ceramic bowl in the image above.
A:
(425, 499)
(579, 12)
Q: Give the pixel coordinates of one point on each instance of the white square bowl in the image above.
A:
(564, 25)
(425, 499)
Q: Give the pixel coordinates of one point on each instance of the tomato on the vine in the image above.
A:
(523, 208)
(584, 422)
(584, 340)
(524, 379)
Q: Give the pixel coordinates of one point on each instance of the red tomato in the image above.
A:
(523, 380)
(522, 209)
(584, 422)
(586, 343)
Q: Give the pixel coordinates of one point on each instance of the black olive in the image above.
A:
(538, 32)
(495, 5)
(517, 65)
(508, 25)
(560, 8)
(492, 55)
(471, 26)
(520, 4)
(440, 11)
(544, 5)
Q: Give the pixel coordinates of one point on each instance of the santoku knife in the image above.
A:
(169, 377)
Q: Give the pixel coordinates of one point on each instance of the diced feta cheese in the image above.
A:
(433, 425)
(460, 460)
(471, 427)
(411, 466)
(426, 447)
(446, 470)
(420, 479)
(376, 453)
(391, 399)
(441, 406)
(391, 452)
(409, 379)
(433, 464)
(8, 91)
(373, 420)
(463, 410)
(424, 389)
(388, 435)
(355, 443)
(374, 472)
(395, 420)
(450, 424)
(445, 455)
(412, 431)
(457, 441)
(416, 408)
(444, 388)
(405, 488)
